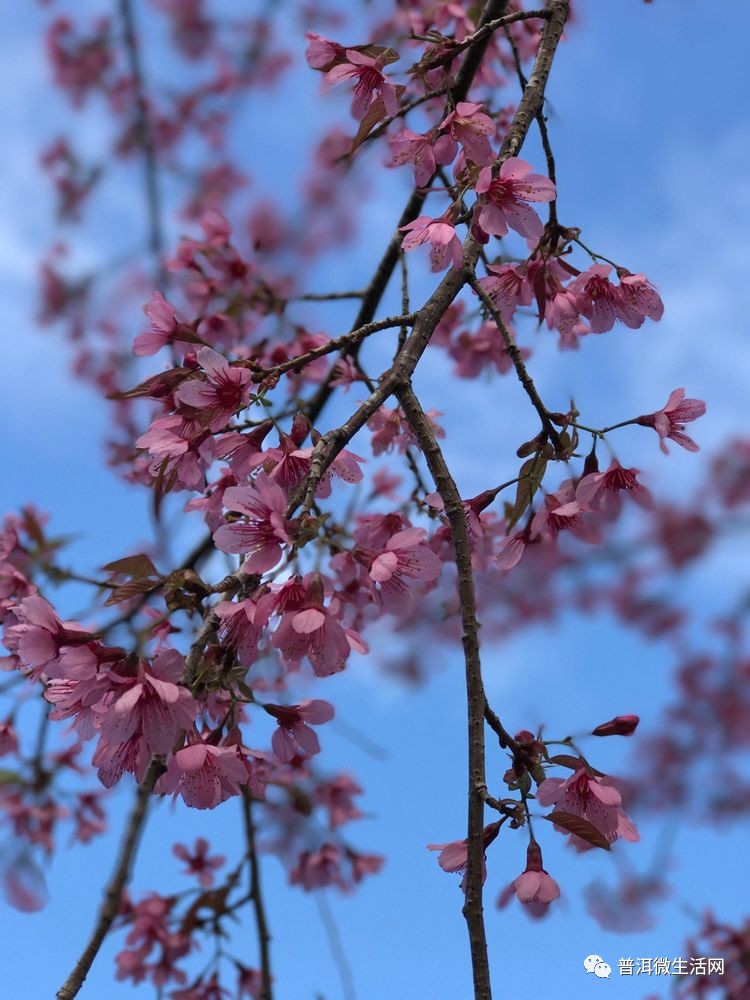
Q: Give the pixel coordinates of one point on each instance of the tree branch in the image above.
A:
(146, 137)
(476, 701)
(256, 895)
(115, 888)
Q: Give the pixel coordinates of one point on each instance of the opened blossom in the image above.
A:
(470, 126)
(204, 775)
(309, 628)
(419, 150)
(602, 490)
(225, 391)
(151, 705)
(370, 82)
(165, 327)
(602, 302)
(591, 797)
(506, 196)
(198, 861)
(404, 559)
(669, 422)
(441, 235)
(263, 530)
(453, 856)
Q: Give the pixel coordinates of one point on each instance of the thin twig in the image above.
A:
(337, 950)
(116, 887)
(146, 136)
(518, 363)
(256, 895)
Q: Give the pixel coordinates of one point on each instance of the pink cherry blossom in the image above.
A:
(533, 887)
(337, 797)
(198, 862)
(669, 422)
(152, 706)
(470, 126)
(263, 531)
(165, 327)
(441, 235)
(505, 204)
(453, 856)
(405, 558)
(315, 631)
(242, 624)
(317, 869)
(602, 490)
(204, 775)
(371, 83)
(593, 798)
(420, 150)
(294, 735)
(40, 638)
(225, 391)
(508, 287)
(181, 449)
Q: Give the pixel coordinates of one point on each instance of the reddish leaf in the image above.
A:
(567, 760)
(375, 114)
(131, 589)
(580, 827)
(135, 566)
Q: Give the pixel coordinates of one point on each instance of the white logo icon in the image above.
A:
(597, 965)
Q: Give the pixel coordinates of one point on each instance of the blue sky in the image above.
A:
(652, 144)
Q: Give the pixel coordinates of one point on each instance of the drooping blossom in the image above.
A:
(506, 197)
(263, 530)
(533, 887)
(602, 302)
(593, 798)
(151, 705)
(508, 287)
(39, 637)
(669, 421)
(204, 775)
(293, 734)
(336, 796)
(602, 490)
(181, 450)
(440, 234)
(242, 623)
(310, 628)
(317, 869)
(470, 126)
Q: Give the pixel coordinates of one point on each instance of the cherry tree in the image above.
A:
(285, 430)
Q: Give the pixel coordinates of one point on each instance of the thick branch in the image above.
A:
(115, 888)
